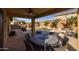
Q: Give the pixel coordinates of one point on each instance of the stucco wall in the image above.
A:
(6, 24)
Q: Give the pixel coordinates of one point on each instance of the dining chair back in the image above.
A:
(64, 45)
(38, 32)
(27, 37)
(28, 46)
(65, 41)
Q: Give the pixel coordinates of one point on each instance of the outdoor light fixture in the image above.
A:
(29, 12)
(12, 23)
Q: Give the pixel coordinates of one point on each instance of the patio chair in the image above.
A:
(64, 45)
(28, 43)
(55, 34)
(12, 33)
(33, 46)
(27, 37)
(51, 33)
(49, 48)
(37, 47)
(23, 29)
(38, 32)
(28, 46)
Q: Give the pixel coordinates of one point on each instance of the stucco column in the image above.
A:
(78, 26)
(33, 27)
(6, 28)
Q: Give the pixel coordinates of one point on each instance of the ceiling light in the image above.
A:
(25, 13)
(29, 14)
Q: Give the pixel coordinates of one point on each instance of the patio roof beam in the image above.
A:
(17, 15)
(52, 11)
(21, 12)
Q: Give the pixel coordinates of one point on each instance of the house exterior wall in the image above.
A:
(6, 27)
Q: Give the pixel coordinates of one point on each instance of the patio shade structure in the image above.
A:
(32, 13)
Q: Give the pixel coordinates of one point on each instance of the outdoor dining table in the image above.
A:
(52, 40)
(42, 40)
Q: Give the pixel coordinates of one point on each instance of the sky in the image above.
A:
(49, 17)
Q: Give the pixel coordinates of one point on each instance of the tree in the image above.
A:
(23, 22)
(72, 21)
(19, 22)
(66, 25)
(46, 22)
(38, 23)
(29, 25)
(75, 20)
(55, 22)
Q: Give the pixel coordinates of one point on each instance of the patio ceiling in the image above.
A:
(32, 12)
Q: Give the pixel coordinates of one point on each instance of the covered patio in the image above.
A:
(32, 13)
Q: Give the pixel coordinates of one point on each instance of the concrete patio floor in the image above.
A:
(17, 42)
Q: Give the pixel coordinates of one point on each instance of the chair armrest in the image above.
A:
(60, 44)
